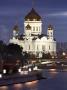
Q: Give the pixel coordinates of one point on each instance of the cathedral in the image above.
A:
(33, 40)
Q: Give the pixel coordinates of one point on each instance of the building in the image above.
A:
(32, 40)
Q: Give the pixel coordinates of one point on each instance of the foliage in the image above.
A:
(46, 56)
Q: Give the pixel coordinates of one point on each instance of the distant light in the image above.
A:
(53, 70)
(4, 71)
(19, 70)
(30, 70)
(62, 64)
(52, 56)
(63, 53)
(0, 75)
(35, 68)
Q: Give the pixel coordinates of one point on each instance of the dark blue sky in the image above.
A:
(52, 11)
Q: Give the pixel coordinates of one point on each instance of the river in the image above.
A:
(56, 80)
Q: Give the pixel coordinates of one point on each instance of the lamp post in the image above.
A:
(63, 54)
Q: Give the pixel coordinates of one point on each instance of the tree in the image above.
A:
(2, 49)
(13, 57)
(14, 50)
(46, 56)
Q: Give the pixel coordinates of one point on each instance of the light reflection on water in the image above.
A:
(18, 86)
(4, 88)
(34, 85)
(31, 84)
(26, 86)
(53, 72)
(50, 73)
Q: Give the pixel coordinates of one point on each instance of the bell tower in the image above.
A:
(15, 31)
(50, 32)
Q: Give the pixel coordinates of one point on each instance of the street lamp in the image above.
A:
(4, 71)
(63, 53)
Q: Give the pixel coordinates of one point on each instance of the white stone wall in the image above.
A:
(28, 33)
(45, 45)
(36, 27)
(39, 45)
(50, 34)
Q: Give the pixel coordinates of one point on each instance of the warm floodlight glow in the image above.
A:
(30, 70)
(63, 53)
(19, 70)
(4, 71)
(0, 75)
(35, 68)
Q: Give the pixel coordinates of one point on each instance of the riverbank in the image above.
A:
(19, 78)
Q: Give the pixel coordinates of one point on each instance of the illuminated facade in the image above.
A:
(32, 40)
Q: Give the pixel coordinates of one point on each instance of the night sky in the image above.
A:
(52, 12)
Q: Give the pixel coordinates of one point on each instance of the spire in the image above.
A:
(16, 28)
(32, 15)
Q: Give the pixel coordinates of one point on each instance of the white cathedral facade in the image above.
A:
(32, 40)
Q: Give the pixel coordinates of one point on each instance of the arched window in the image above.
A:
(36, 28)
(51, 34)
(29, 47)
(43, 47)
(37, 47)
(33, 28)
(49, 47)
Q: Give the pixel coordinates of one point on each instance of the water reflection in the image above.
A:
(58, 81)
(28, 85)
(17, 86)
(4, 88)
(50, 73)
(31, 84)
(53, 72)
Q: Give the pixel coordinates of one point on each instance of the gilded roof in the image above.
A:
(33, 15)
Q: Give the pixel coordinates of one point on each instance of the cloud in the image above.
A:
(8, 12)
(58, 14)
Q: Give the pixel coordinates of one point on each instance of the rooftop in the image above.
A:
(33, 15)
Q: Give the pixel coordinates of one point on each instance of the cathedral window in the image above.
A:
(36, 28)
(43, 47)
(29, 47)
(37, 47)
(33, 28)
(51, 34)
(49, 47)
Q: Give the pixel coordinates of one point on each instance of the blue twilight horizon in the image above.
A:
(52, 12)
